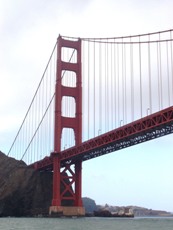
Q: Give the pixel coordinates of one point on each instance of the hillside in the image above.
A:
(23, 191)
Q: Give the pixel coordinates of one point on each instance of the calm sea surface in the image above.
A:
(92, 223)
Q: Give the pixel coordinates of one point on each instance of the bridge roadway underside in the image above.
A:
(145, 129)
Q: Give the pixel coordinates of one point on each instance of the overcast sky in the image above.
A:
(140, 175)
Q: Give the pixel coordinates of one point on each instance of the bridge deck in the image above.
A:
(145, 129)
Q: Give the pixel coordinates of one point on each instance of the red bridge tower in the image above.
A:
(66, 176)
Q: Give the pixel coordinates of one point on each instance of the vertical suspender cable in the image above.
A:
(122, 82)
(171, 50)
(32, 131)
(50, 93)
(94, 104)
(69, 106)
(118, 85)
(125, 96)
(160, 70)
(140, 74)
(107, 85)
(149, 74)
(88, 91)
(28, 132)
(37, 119)
(132, 80)
(83, 83)
(115, 91)
(105, 104)
(35, 123)
(167, 55)
(158, 76)
(39, 110)
(39, 115)
(53, 95)
(46, 126)
(22, 142)
(48, 115)
(111, 87)
(42, 112)
(100, 89)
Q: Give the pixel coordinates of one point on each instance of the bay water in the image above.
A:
(86, 223)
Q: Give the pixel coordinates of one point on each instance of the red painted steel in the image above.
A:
(56, 201)
(67, 177)
(145, 129)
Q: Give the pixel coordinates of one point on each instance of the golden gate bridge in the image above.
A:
(96, 96)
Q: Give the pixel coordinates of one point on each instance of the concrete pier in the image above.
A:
(58, 211)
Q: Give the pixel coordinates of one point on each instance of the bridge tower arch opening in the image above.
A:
(67, 174)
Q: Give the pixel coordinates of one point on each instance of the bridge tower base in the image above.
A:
(58, 211)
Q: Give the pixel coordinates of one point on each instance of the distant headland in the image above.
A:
(123, 211)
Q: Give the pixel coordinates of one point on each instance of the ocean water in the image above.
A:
(90, 223)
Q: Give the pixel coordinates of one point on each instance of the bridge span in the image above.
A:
(96, 96)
